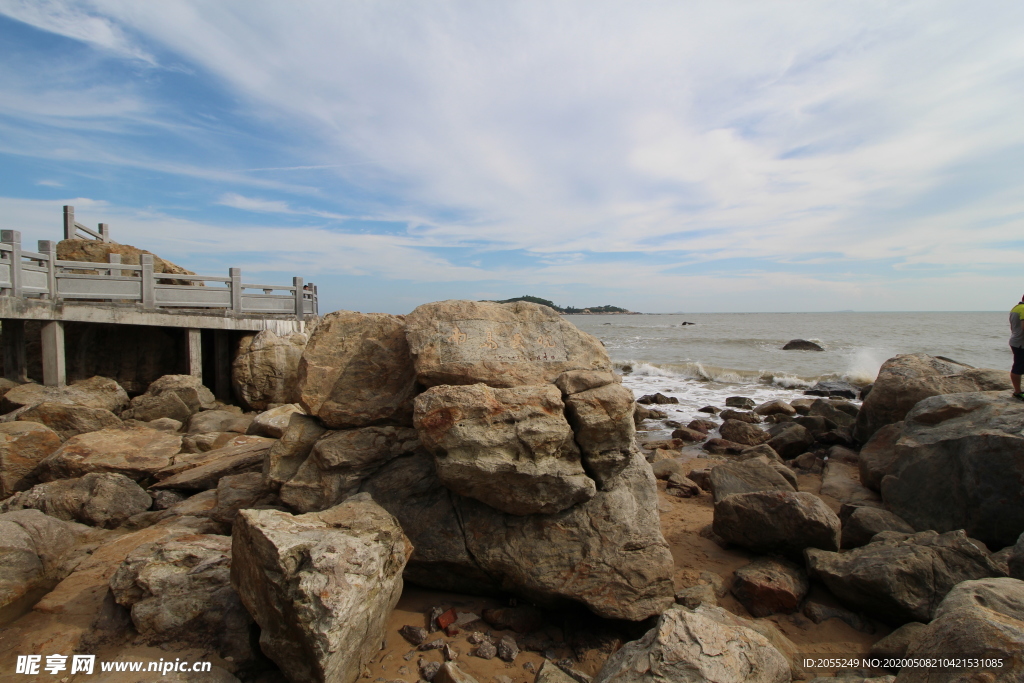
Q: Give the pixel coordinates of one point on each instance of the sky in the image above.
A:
(681, 156)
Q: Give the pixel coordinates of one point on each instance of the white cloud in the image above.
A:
(237, 201)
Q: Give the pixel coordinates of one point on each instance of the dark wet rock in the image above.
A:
(777, 522)
(801, 345)
(793, 440)
(768, 586)
(834, 389)
(740, 402)
(861, 523)
(657, 398)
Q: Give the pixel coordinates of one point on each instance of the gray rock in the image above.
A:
(983, 617)
(746, 476)
(742, 416)
(905, 380)
(450, 673)
(878, 455)
(793, 440)
(679, 648)
(321, 585)
(863, 522)
(241, 492)
(509, 448)
(740, 402)
(775, 407)
(960, 461)
(900, 577)
(801, 345)
(777, 522)
(841, 482)
(180, 589)
(838, 389)
(485, 650)
(611, 545)
(769, 586)
(551, 673)
(507, 649)
(743, 433)
(32, 546)
(273, 423)
(829, 410)
(340, 461)
(287, 455)
(819, 613)
(175, 396)
(602, 421)
(416, 635)
(97, 499)
(23, 445)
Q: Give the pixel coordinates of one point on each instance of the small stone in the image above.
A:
(502, 679)
(403, 671)
(530, 667)
(507, 649)
(409, 655)
(414, 634)
(449, 652)
(433, 645)
(694, 596)
(451, 630)
(709, 409)
(485, 651)
(429, 669)
(476, 637)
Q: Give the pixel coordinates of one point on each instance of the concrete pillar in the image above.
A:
(54, 372)
(15, 362)
(222, 363)
(195, 352)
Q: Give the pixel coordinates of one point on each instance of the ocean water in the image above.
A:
(740, 354)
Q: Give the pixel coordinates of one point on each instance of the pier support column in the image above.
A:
(222, 360)
(195, 352)
(15, 362)
(54, 372)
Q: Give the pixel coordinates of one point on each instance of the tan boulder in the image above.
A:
(266, 369)
(602, 420)
(98, 499)
(501, 345)
(509, 448)
(23, 445)
(201, 471)
(32, 546)
(70, 420)
(287, 455)
(356, 371)
(321, 586)
(95, 392)
(138, 453)
(158, 401)
(274, 422)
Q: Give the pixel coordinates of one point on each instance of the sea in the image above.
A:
(718, 355)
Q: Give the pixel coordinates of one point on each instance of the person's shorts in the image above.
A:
(1018, 360)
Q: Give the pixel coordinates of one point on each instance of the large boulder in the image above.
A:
(95, 392)
(501, 345)
(321, 586)
(908, 378)
(878, 455)
(841, 482)
(705, 644)
(23, 445)
(770, 585)
(602, 422)
(179, 589)
(98, 499)
(201, 471)
(744, 433)
(981, 618)
(32, 546)
(607, 553)
(777, 522)
(136, 452)
(70, 420)
(746, 476)
(175, 396)
(274, 422)
(357, 371)
(340, 461)
(959, 465)
(861, 523)
(291, 450)
(266, 369)
(901, 577)
(792, 441)
(509, 448)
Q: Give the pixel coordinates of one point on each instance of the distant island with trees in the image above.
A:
(570, 310)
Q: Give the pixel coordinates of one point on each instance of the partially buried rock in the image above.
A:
(768, 586)
(357, 371)
(321, 585)
(777, 522)
(97, 499)
(901, 577)
(486, 650)
(509, 448)
(801, 345)
(23, 445)
(416, 635)
(501, 345)
(701, 644)
(70, 420)
(137, 453)
(507, 649)
(518, 619)
(180, 589)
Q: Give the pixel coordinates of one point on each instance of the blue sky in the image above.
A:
(662, 156)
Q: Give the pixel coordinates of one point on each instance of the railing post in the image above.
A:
(236, 289)
(49, 248)
(194, 343)
(316, 300)
(69, 222)
(104, 232)
(54, 374)
(148, 289)
(300, 299)
(114, 258)
(13, 237)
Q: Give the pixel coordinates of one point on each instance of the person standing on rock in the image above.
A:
(1017, 346)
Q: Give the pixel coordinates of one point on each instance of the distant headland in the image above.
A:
(571, 310)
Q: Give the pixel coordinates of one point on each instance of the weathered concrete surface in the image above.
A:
(357, 371)
(959, 465)
(320, 585)
(509, 448)
(501, 345)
